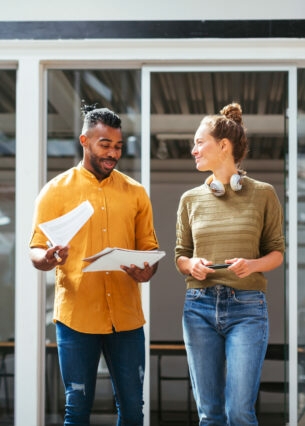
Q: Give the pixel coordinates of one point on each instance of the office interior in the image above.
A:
(160, 107)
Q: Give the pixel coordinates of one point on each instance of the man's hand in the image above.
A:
(45, 260)
(138, 274)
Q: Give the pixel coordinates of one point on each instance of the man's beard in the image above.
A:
(97, 163)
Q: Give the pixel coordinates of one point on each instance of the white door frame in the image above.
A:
(292, 191)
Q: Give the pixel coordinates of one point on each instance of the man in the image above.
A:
(98, 312)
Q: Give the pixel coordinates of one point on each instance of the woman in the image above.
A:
(237, 222)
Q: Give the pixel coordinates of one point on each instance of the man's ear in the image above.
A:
(83, 140)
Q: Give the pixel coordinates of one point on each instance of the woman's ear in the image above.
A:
(225, 144)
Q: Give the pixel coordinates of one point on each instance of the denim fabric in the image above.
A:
(226, 337)
(79, 355)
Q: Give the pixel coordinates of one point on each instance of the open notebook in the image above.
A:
(110, 259)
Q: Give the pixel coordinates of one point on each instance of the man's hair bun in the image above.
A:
(87, 108)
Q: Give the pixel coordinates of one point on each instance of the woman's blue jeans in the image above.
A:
(226, 337)
(79, 355)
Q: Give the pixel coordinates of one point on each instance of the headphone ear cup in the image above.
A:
(217, 188)
(235, 182)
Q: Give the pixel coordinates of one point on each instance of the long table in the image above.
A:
(163, 349)
(52, 375)
(157, 348)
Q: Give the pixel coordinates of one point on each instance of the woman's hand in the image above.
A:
(244, 267)
(197, 267)
(241, 267)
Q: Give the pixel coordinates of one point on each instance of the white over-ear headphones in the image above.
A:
(218, 188)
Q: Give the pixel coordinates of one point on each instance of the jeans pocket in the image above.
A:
(193, 294)
(249, 297)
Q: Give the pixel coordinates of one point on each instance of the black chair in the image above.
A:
(164, 349)
(4, 377)
(275, 352)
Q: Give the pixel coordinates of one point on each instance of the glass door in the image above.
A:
(7, 242)
(119, 90)
(179, 100)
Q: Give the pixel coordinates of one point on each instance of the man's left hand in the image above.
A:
(138, 274)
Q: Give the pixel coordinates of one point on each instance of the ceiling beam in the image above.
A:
(264, 125)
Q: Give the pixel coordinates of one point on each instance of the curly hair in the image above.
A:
(93, 115)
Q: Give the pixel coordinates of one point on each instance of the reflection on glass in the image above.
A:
(7, 240)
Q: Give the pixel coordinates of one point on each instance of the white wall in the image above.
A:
(61, 10)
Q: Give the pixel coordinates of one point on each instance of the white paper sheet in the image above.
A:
(61, 230)
(110, 259)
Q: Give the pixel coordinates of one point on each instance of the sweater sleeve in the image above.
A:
(184, 239)
(272, 238)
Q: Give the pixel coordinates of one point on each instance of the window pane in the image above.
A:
(118, 90)
(7, 237)
(115, 89)
(179, 100)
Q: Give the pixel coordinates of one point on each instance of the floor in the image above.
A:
(168, 419)
(180, 419)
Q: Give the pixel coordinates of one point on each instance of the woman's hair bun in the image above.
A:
(233, 112)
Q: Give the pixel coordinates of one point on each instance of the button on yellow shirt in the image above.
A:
(95, 302)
